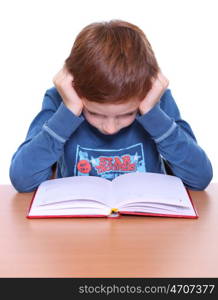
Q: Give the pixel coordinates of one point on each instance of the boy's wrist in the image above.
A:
(74, 109)
(145, 110)
(156, 122)
(64, 122)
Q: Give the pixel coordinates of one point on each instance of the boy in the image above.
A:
(110, 112)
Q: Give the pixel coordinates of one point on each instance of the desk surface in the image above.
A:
(131, 246)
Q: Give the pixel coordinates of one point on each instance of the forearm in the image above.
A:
(32, 163)
(185, 157)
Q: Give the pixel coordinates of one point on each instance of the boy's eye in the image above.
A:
(122, 116)
(127, 115)
(94, 114)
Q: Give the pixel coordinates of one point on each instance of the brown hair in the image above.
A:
(112, 62)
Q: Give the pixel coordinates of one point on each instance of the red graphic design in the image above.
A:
(84, 166)
(115, 164)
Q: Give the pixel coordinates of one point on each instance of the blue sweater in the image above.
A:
(57, 135)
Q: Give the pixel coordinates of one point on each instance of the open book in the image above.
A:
(132, 193)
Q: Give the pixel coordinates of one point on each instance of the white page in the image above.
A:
(68, 212)
(142, 206)
(153, 210)
(82, 203)
(151, 187)
(69, 188)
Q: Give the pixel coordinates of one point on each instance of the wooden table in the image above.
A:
(131, 246)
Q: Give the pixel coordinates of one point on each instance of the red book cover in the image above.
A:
(114, 213)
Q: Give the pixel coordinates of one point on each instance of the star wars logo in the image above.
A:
(107, 164)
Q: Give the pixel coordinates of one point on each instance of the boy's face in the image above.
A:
(110, 118)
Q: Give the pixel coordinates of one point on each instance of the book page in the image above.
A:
(75, 211)
(150, 188)
(63, 190)
(158, 208)
(151, 210)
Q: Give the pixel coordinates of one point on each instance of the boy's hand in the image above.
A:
(159, 86)
(63, 81)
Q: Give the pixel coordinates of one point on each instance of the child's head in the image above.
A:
(113, 66)
(112, 62)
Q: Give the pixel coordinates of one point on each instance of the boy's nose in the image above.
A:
(110, 127)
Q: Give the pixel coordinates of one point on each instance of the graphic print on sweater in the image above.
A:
(109, 163)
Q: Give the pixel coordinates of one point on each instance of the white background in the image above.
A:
(37, 36)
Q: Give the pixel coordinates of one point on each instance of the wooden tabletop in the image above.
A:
(131, 246)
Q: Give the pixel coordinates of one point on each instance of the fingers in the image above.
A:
(63, 77)
(162, 79)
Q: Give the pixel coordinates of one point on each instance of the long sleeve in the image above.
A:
(32, 163)
(177, 144)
